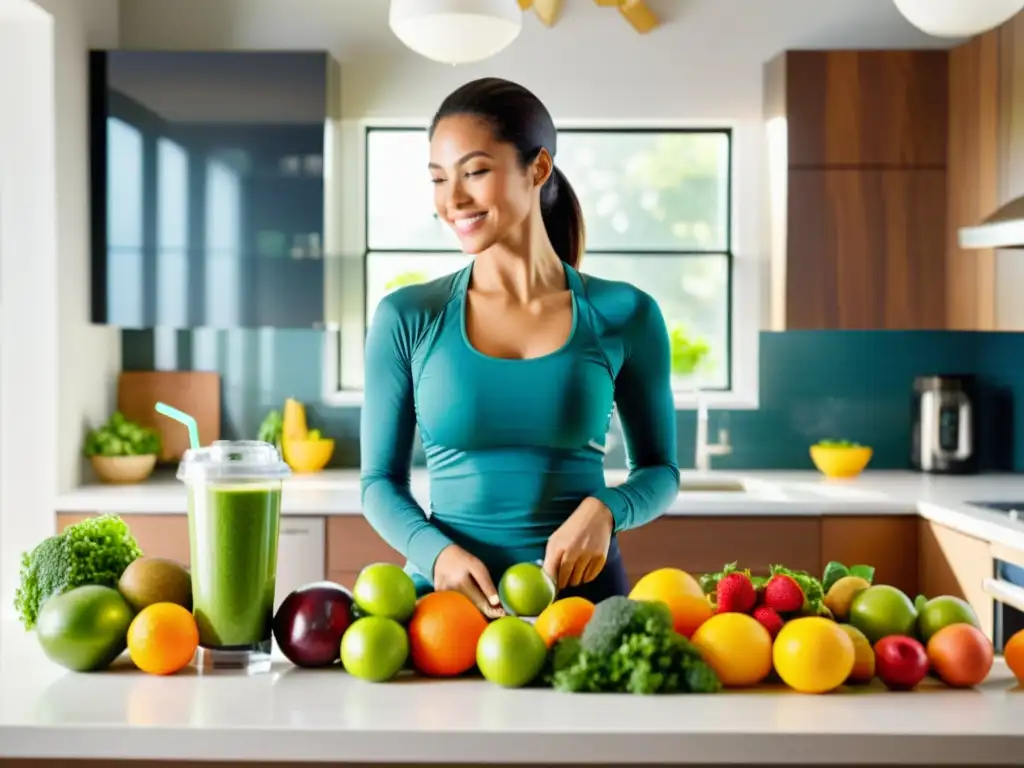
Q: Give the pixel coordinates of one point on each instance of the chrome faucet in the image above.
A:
(705, 450)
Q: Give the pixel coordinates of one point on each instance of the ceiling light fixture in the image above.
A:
(958, 18)
(456, 31)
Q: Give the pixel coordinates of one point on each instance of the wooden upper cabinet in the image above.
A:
(857, 145)
(986, 170)
(866, 249)
(861, 108)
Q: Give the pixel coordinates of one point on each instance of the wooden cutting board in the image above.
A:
(194, 392)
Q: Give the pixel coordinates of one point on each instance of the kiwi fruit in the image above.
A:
(150, 580)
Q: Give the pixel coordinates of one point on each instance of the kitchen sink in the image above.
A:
(711, 485)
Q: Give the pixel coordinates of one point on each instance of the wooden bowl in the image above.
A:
(123, 469)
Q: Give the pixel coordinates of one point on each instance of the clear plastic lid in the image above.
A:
(233, 460)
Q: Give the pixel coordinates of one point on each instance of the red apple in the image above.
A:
(901, 662)
(310, 622)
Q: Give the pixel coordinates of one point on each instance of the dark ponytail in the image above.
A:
(519, 118)
(563, 218)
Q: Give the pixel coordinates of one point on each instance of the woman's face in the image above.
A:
(480, 190)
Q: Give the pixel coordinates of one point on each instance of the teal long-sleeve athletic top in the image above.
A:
(512, 446)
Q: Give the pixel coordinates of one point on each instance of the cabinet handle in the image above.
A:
(1005, 592)
(295, 532)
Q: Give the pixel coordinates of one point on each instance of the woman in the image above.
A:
(510, 368)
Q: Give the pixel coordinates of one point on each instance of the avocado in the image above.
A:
(151, 580)
(84, 629)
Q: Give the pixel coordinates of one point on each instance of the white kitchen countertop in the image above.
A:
(937, 497)
(324, 715)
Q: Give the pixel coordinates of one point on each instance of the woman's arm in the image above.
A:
(643, 395)
(386, 433)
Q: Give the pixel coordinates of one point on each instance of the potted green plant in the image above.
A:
(122, 451)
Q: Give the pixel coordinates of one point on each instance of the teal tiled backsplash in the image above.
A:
(852, 385)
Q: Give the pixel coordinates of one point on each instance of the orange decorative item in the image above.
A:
(443, 633)
(564, 618)
(1013, 654)
(163, 638)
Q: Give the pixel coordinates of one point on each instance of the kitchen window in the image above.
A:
(658, 204)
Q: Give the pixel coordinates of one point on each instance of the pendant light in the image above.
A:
(456, 31)
(958, 18)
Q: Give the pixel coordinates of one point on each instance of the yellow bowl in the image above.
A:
(309, 455)
(840, 461)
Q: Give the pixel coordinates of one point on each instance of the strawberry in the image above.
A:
(769, 619)
(783, 594)
(735, 594)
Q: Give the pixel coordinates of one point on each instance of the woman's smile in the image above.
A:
(467, 224)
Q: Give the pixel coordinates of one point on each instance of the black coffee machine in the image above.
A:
(944, 424)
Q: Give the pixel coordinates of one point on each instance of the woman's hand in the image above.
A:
(457, 570)
(578, 550)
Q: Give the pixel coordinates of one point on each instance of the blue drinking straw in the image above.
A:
(182, 418)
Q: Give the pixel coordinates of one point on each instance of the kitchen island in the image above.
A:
(293, 716)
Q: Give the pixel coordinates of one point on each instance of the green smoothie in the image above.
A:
(233, 536)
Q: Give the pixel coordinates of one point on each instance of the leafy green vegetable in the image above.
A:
(629, 646)
(839, 444)
(866, 572)
(95, 551)
(834, 571)
(271, 428)
(121, 437)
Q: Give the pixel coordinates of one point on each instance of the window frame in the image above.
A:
(743, 283)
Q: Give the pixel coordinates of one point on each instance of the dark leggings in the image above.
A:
(612, 580)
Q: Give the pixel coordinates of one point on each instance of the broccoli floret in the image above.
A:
(562, 656)
(617, 616)
(629, 646)
(95, 551)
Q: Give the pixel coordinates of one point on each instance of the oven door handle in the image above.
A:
(1005, 592)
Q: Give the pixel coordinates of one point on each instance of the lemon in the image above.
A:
(813, 655)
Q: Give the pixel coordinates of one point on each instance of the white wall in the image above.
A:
(56, 371)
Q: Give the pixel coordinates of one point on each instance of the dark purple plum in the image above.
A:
(310, 622)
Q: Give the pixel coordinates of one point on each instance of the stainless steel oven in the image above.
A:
(1006, 585)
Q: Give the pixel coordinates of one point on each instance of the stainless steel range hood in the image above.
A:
(1003, 229)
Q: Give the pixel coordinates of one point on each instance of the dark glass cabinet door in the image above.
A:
(207, 188)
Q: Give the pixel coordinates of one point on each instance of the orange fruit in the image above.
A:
(163, 638)
(688, 613)
(443, 633)
(737, 647)
(1013, 653)
(961, 655)
(564, 618)
(663, 583)
(680, 592)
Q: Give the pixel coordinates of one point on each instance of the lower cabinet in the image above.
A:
(887, 542)
(705, 544)
(953, 563)
(352, 544)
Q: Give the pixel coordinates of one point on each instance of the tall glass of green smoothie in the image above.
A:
(234, 512)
